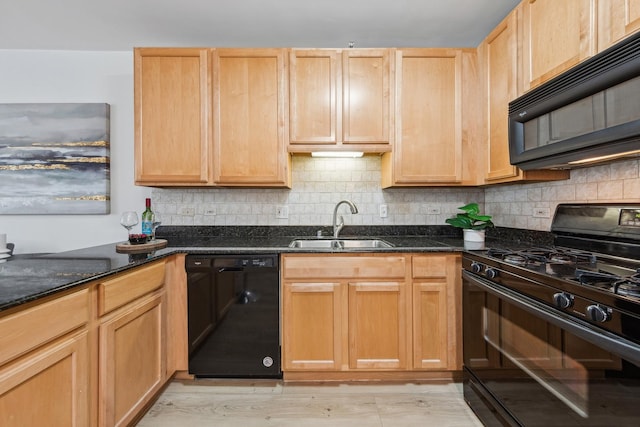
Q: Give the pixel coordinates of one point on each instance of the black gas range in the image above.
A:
(557, 323)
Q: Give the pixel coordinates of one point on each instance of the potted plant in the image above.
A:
(473, 225)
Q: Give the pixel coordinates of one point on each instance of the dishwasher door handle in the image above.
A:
(225, 269)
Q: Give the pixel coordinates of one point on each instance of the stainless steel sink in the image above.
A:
(340, 244)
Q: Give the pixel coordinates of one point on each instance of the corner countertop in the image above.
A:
(25, 278)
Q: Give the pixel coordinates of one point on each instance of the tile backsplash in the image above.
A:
(514, 205)
(318, 184)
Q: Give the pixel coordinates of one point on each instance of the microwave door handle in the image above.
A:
(622, 347)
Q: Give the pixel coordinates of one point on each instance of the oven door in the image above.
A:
(529, 364)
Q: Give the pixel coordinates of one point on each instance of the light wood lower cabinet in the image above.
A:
(437, 319)
(49, 387)
(132, 349)
(312, 325)
(132, 362)
(44, 363)
(378, 325)
(370, 312)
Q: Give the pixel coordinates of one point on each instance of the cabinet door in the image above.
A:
(437, 341)
(501, 83)
(428, 117)
(617, 19)
(315, 91)
(312, 326)
(500, 61)
(557, 36)
(250, 139)
(49, 387)
(132, 360)
(172, 115)
(430, 326)
(340, 99)
(378, 325)
(367, 96)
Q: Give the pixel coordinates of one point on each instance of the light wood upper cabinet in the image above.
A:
(172, 116)
(617, 19)
(340, 99)
(556, 36)
(501, 81)
(428, 148)
(250, 117)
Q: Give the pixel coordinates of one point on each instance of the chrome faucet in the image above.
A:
(337, 227)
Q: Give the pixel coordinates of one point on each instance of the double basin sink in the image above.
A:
(340, 244)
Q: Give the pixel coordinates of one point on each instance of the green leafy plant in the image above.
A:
(471, 218)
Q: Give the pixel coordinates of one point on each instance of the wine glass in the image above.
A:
(155, 223)
(128, 220)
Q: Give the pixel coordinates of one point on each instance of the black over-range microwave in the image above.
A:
(588, 114)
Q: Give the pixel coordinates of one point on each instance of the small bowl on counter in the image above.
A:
(138, 239)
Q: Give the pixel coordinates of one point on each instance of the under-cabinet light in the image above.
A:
(602, 158)
(337, 154)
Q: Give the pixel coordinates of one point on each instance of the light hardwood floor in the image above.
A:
(271, 403)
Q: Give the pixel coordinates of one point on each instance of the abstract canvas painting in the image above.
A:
(54, 158)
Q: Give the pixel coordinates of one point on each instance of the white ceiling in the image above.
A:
(123, 24)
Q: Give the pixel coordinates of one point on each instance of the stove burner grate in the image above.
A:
(629, 286)
(536, 257)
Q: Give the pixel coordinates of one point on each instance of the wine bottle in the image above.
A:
(147, 219)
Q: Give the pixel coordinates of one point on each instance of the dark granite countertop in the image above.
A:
(25, 278)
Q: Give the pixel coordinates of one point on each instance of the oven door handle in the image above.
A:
(603, 339)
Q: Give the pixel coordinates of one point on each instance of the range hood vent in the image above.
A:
(587, 115)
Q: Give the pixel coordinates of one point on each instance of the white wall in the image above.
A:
(69, 76)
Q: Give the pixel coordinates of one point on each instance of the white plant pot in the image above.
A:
(473, 239)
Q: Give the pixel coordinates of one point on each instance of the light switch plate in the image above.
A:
(383, 211)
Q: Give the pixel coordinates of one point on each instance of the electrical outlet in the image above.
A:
(282, 212)
(210, 210)
(383, 211)
(541, 212)
(187, 211)
(433, 210)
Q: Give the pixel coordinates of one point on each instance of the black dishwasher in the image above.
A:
(234, 316)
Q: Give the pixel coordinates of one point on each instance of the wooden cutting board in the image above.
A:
(128, 248)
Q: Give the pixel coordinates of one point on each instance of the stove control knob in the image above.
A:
(476, 267)
(563, 300)
(491, 273)
(598, 313)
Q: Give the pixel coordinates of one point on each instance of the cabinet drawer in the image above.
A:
(32, 327)
(343, 266)
(128, 286)
(427, 266)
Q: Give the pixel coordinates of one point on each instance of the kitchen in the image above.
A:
(79, 75)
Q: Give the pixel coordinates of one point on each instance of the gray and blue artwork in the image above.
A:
(54, 158)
